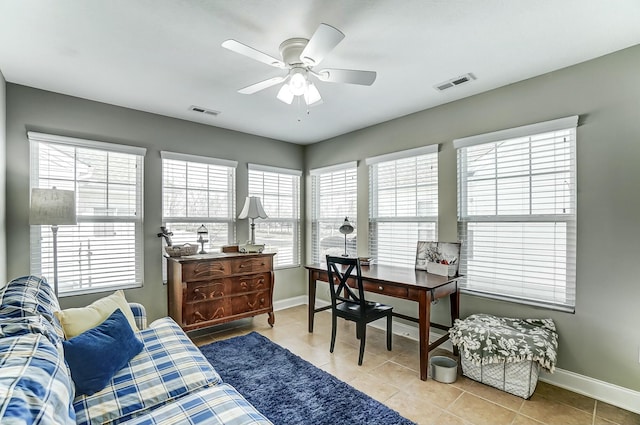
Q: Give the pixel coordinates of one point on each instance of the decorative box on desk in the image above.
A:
(449, 270)
(210, 289)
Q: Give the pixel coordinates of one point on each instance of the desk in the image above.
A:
(405, 283)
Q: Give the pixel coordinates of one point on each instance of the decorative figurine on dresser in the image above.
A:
(210, 289)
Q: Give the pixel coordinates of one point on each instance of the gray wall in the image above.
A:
(601, 339)
(29, 109)
(3, 178)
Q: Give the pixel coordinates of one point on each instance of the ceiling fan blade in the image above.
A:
(253, 88)
(250, 52)
(349, 76)
(322, 42)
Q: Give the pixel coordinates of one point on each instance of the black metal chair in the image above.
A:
(350, 303)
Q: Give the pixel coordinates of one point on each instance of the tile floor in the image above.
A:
(391, 377)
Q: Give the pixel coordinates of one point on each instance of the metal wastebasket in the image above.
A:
(444, 369)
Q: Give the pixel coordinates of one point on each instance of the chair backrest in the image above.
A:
(339, 270)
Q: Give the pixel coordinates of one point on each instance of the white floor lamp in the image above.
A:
(54, 207)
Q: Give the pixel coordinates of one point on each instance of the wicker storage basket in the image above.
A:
(518, 378)
(181, 250)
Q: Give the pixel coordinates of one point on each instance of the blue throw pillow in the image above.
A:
(97, 354)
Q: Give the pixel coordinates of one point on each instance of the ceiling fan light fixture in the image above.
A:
(285, 95)
(312, 94)
(298, 81)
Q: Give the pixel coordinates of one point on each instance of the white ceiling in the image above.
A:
(162, 56)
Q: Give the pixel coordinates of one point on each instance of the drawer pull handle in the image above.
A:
(380, 288)
(242, 266)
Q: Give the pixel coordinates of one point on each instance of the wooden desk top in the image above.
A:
(395, 275)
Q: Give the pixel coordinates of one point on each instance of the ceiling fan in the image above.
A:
(299, 57)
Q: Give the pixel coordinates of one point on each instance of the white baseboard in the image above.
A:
(600, 390)
(290, 302)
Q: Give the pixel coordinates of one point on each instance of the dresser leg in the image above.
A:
(272, 318)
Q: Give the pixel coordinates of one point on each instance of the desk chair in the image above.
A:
(350, 303)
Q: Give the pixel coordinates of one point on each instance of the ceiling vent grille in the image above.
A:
(462, 79)
(205, 111)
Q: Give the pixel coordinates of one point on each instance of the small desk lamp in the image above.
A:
(346, 229)
(55, 207)
(253, 209)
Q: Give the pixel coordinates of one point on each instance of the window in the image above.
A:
(104, 250)
(334, 196)
(198, 191)
(279, 191)
(517, 213)
(403, 204)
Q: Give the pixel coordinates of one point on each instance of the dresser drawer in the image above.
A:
(251, 302)
(200, 291)
(201, 312)
(205, 269)
(393, 291)
(251, 283)
(250, 265)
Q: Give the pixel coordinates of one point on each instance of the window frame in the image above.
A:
(282, 173)
(196, 221)
(40, 232)
(565, 301)
(350, 170)
(430, 155)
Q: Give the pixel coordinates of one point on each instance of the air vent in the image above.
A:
(462, 79)
(204, 110)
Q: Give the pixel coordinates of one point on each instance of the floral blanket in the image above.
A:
(486, 339)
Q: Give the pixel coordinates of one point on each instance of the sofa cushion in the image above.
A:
(28, 297)
(220, 404)
(96, 355)
(35, 386)
(168, 367)
(80, 319)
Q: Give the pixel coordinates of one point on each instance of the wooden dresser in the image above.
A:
(206, 290)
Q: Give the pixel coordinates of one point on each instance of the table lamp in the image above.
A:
(54, 207)
(203, 237)
(253, 209)
(346, 229)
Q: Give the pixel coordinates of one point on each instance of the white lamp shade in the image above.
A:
(312, 95)
(252, 208)
(285, 94)
(52, 206)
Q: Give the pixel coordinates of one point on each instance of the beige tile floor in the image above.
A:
(391, 377)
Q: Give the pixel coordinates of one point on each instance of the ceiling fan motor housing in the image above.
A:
(291, 49)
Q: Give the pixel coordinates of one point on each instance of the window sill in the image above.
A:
(532, 303)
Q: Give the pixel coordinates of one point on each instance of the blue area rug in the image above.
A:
(289, 390)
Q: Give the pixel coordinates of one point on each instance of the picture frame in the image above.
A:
(440, 258)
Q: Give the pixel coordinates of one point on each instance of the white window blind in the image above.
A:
(517, 213)
(334, 194)
(104, 250)
(403, 204)
(279, 191)
(198, 191)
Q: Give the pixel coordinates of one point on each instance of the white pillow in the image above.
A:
(77, 320)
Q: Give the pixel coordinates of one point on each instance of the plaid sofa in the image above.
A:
(169, 382)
